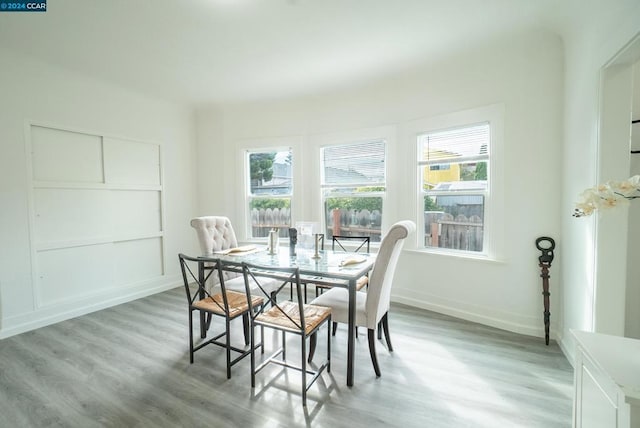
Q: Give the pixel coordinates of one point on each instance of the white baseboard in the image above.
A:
(502, 320)
(52, 314)
(568, 349)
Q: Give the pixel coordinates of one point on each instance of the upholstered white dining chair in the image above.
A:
(215, 233)
(372, 306)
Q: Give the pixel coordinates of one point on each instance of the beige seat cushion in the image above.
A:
(313, 316)
(338, 300)
(237, 303)
(360, 283)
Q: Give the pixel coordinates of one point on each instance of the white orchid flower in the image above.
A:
(607, 195)
(612, 200)
(635, 181)
(625, 188)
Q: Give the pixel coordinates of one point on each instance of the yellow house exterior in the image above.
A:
(436, 175)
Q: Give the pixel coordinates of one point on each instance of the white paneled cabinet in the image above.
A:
(607, 381)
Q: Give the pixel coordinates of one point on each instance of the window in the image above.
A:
(353, 183)
(439, 167)
(454, 186)
(269, 191)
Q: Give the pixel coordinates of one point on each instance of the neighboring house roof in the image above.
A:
(336, 175)
(453, 186)
(461, 185)
(450, 200)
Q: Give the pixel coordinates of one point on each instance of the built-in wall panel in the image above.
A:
(70, 273)
(131, 162)
(69, 215)
(87, 270)
(143, 215)
(136, 261)
(64, 156)
(97, 214)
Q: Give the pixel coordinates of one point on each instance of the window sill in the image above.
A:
(473, 257)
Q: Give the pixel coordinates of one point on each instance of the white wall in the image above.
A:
(602, 30)
(33, 91)
(523, 73)
(632, 313)
(212, 184)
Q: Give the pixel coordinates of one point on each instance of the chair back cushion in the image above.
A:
(381, 278)
(215, 233)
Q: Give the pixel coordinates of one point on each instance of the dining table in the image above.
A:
(325, 267)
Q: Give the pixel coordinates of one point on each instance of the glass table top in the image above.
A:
(330, 264)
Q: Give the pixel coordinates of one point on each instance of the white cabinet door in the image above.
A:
(597, 410)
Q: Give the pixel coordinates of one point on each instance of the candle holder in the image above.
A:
(293, 240)
(316, 253)
(273, 242)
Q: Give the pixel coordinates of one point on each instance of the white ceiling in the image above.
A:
(216, 51)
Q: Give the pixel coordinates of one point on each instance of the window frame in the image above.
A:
(323, 186)
(493, 236)
(249, 197)
(483, 192)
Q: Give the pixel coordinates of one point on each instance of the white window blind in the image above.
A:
(456, 145)
(357, 164)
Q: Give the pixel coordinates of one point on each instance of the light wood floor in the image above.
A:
(128, 366)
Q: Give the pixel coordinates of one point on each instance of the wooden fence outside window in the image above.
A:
(442, 230)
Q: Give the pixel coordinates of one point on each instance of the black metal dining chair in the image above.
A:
(294, 317)
(359, 242)
(225, 303)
